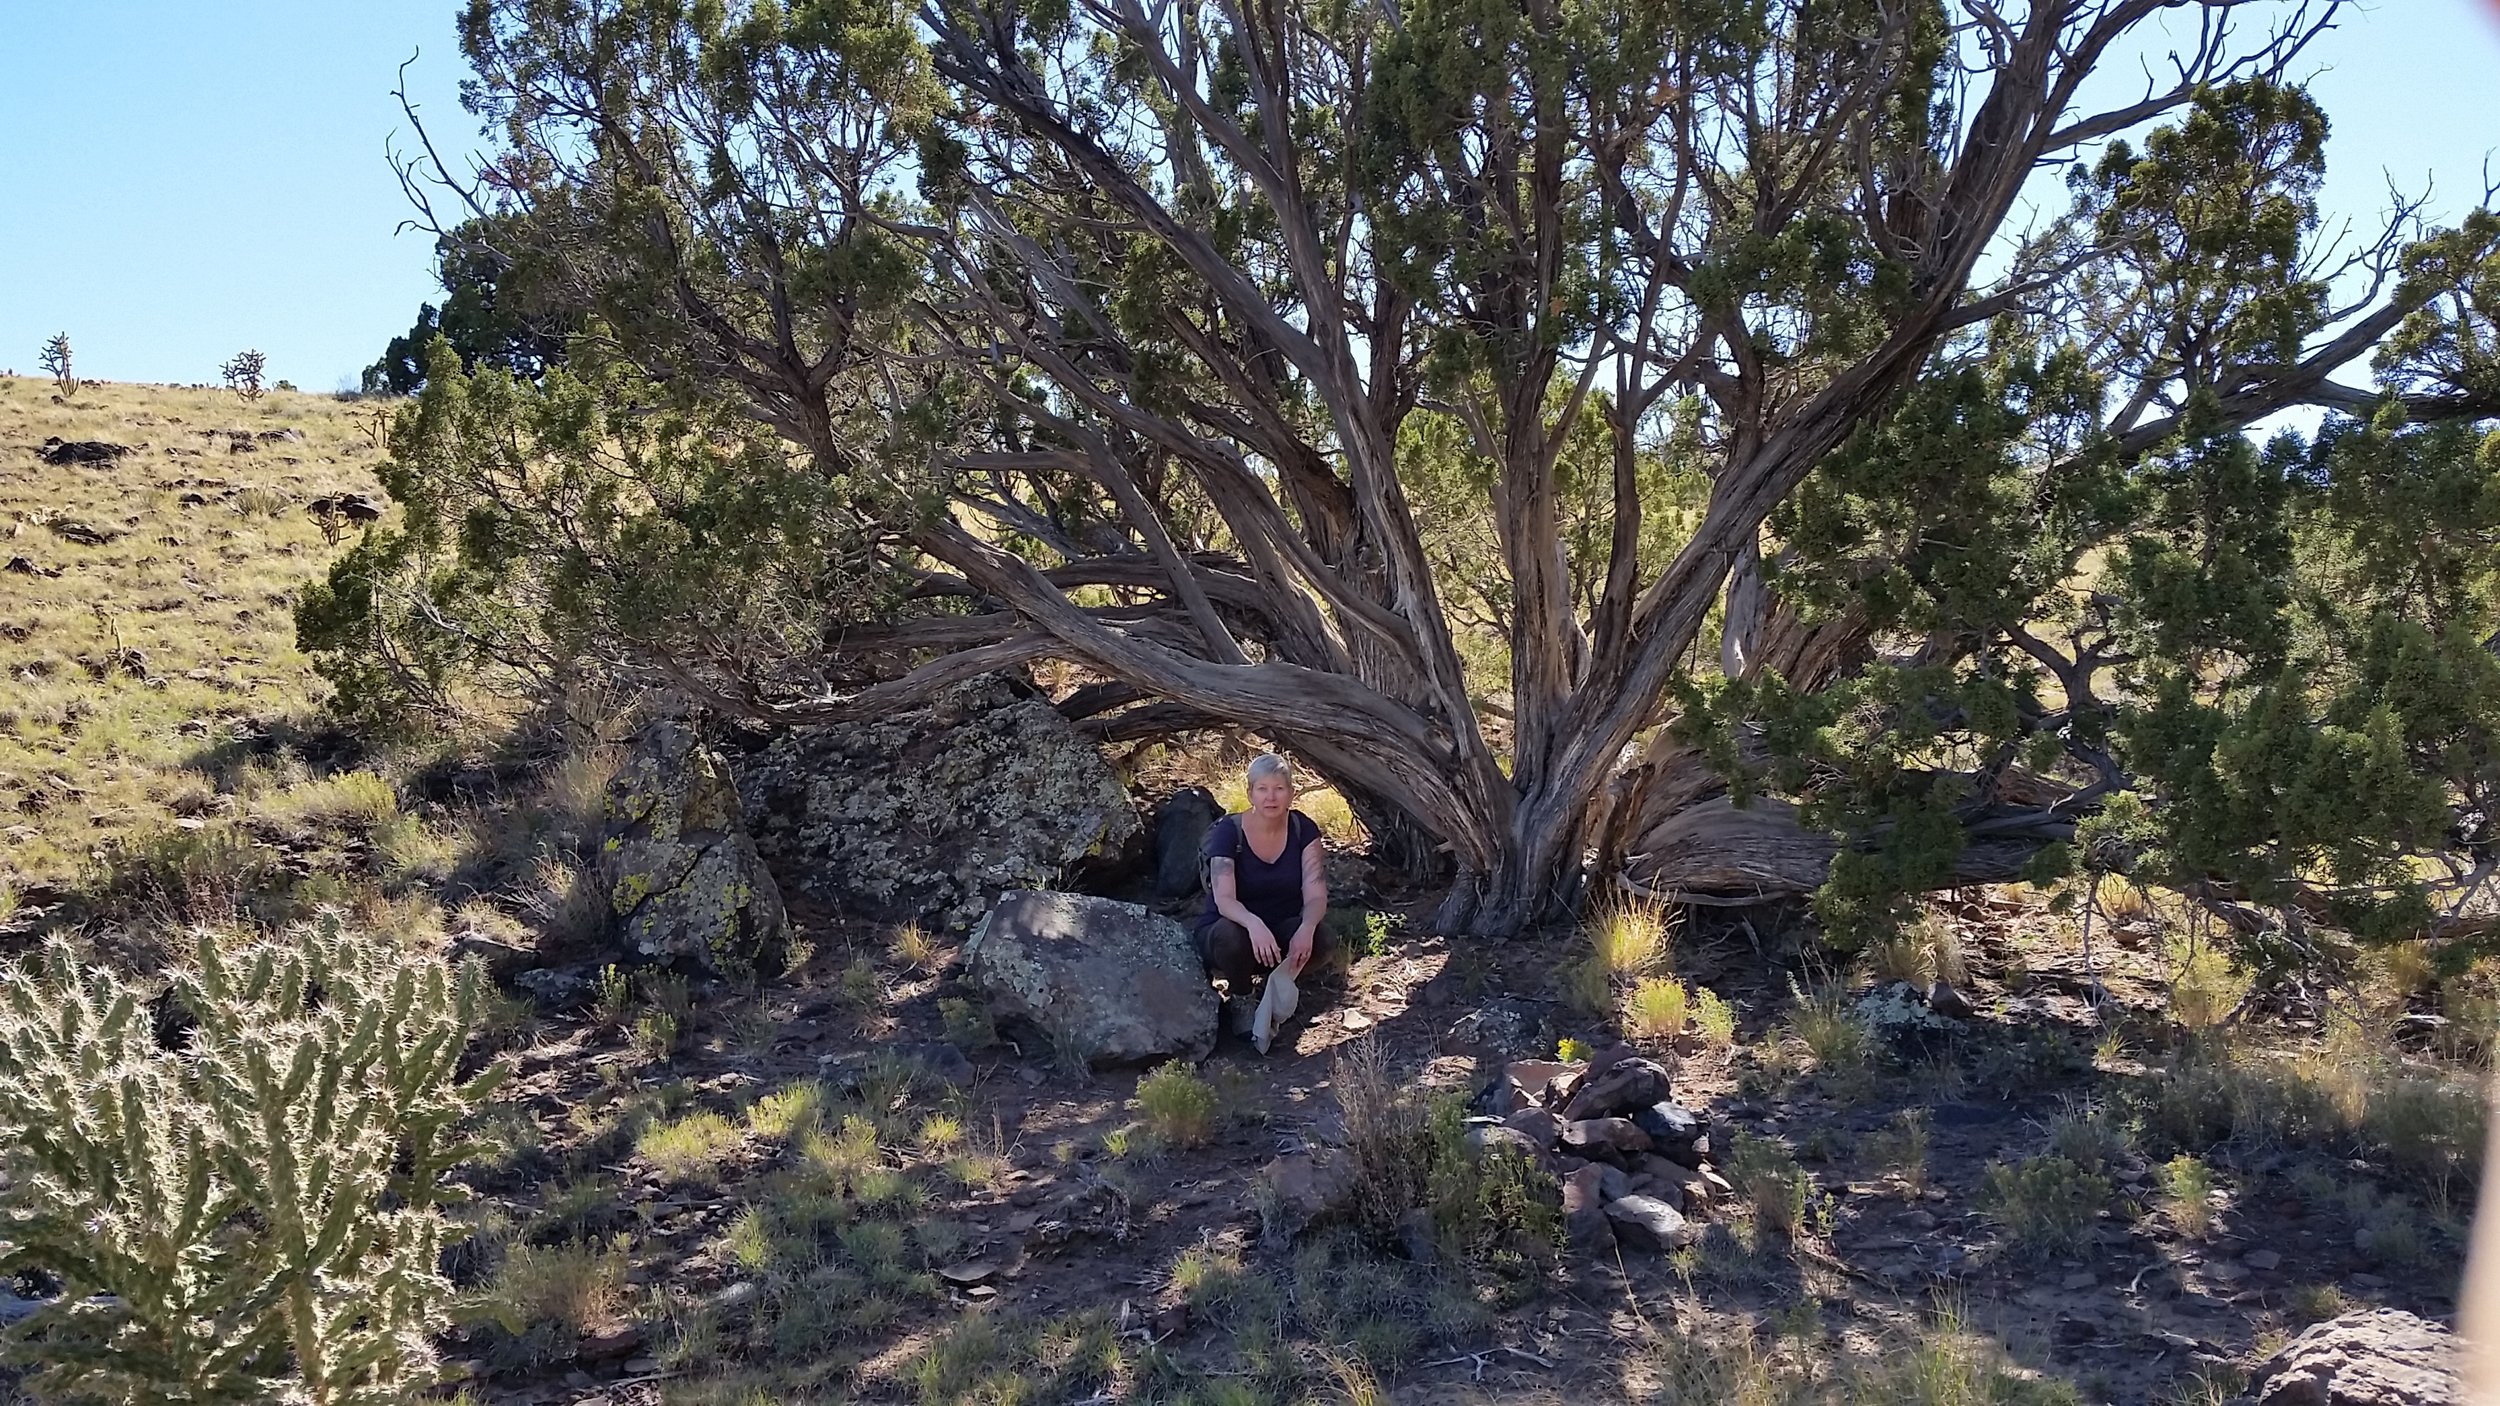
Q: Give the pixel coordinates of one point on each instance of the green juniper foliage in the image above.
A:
(1441, 392)
(254, 1213)
(2150, 645)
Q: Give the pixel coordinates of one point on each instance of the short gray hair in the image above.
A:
(1267, 764)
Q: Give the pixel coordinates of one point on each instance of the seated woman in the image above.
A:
(1267, 888)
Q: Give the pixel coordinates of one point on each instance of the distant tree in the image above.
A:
(486, 314)
(243, 371)
(56, 361)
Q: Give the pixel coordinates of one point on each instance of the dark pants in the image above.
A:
(1224, 946)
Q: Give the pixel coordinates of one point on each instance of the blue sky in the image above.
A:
(182, 179)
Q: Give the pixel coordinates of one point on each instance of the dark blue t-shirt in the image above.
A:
(1271, 890)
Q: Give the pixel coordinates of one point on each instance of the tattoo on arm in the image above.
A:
(1220, 877)
(1314, 873)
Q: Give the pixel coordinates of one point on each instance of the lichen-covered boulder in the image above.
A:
(931, 815)
(2371, 1357)
(1106, 982)
(684, 884)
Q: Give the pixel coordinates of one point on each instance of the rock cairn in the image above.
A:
(1634, 1164)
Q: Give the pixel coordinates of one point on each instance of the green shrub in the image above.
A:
(2046, 1203)
(1409, 1152)
(1714, 1020)
(1655, 1008)
(174, 1193)
(1180, 1106)
(2187, 1188)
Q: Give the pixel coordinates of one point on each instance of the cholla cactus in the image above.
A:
(254, 1216)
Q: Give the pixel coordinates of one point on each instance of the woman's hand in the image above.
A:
(1262, 942)
(1301, 952)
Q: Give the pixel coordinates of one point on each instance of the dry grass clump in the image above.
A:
(1656, 1008)
(691, 1148)
(2351, 1094)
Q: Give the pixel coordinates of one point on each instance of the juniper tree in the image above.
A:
(249, 1210)
(1453, 390)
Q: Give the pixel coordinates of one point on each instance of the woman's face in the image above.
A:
(1271, 795)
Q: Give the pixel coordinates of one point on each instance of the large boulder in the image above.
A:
(684, 884)
(931, 815)
(1106, 981)
(2375, 1357)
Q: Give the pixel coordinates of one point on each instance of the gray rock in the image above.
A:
(1650, 1224)
(683, 881)
(1301, 1190)
(1540, 1125)
(1675, 1132)
(1665, 1180)
(1618, 1090)
(1487, 1138)
(931, 815)
(501, 959)
(1584, 1211)
(1944, 1000)
(1106, 981)
(556, 988)
(1500, 1028)
(2376, 1357)
(1181, 825)
(14, 1309)
(1609, 1139)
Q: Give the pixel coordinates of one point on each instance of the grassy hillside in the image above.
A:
(131, 660)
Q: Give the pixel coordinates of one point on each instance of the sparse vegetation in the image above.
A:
(2187, 1195)
(1655, 1008)
(1179, 1105)
(2046, 1203)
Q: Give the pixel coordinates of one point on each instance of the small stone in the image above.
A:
(611, 1344)
(1488, 1137)
(1944, 1000)
(2072, 1331)
(1614, 1139)
(1918, 1219)
(1650, 1223)
(1542, 1126)
(1534, 1077)
(1629, 1083)
(1676, 1132)
(2262, 1260)
(736, 1297)
(1585, 1222)
(1356, 1021)
(966, 1273)
(1438, 992)
(2225, 1272)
